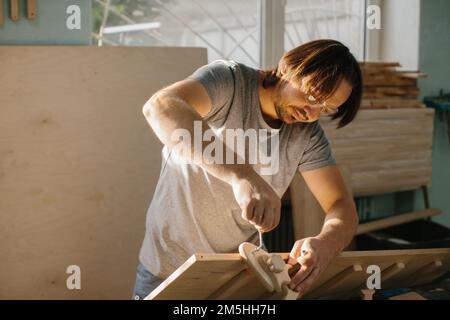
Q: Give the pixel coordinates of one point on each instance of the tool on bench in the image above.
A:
(261, 242)
(270, 269)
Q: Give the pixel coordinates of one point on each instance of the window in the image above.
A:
(342, 20)
(229, 29)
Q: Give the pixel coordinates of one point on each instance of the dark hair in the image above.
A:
(326, 62)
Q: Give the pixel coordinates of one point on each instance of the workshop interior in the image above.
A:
(80, 163)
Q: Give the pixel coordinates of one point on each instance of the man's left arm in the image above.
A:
(314, 254)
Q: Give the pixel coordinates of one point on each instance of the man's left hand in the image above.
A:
(314, 255)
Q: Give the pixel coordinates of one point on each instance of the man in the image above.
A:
(213, 206)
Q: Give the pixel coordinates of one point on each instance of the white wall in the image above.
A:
(399, 37)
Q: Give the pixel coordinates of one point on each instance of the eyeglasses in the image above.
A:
(324, 110)
(328, 111)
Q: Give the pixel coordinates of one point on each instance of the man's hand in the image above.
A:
(314, 255)
(259, 203)
(339, 227)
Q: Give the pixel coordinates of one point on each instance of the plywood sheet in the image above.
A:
(78, 164)
(203, 275)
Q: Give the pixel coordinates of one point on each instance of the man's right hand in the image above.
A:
(258, 201)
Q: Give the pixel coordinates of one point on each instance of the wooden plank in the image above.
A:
(79, 164)
(243, 286)
(413, 74)
(387, 79)
(396, 220)
(379, 64)
(345, 274)
(378, 92)
(210, 273)
(391, 103)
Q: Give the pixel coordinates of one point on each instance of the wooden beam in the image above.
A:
(396, 220)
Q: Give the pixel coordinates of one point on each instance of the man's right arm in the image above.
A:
(179, 106)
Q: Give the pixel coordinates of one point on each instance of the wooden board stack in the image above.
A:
(386, 87)
(385, 150)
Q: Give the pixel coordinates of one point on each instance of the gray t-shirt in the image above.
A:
(194, 212)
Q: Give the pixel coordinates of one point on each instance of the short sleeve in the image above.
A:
(218, 79)
(318, 151)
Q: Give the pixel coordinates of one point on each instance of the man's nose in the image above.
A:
(312, 112)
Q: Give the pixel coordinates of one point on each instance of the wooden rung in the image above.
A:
(396, 220)
(341, 277)
(428, 272)
(391, 271)
(232, 287)
(429, 268)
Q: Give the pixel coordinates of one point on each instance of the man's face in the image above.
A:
(293, 104)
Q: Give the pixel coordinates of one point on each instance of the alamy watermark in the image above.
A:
(73, 20)
(259, 147)
(373, 21)
(374, 280)
(73, 281)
